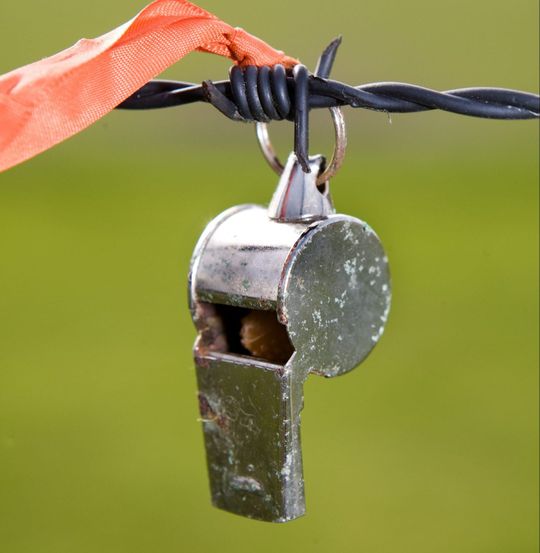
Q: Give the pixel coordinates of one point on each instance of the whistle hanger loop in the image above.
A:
(338, 156)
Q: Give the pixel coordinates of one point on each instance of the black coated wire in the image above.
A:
(273, 93)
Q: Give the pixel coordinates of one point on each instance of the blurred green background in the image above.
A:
(430, 447)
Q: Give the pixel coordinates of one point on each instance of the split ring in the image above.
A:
(338, 156)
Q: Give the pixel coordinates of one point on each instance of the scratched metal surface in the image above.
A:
(329, 284)
(335, 295)
(251, 449)
(240, 256)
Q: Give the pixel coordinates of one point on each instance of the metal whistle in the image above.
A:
(276, 294)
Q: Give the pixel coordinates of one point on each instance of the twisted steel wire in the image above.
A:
(272, 93)
(491, 103)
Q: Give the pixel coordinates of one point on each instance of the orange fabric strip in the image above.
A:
(45, 102)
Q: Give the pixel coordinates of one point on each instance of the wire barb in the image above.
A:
(266, 94)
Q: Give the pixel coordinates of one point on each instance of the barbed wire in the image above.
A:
(273, 93)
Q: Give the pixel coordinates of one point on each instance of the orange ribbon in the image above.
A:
(46, 102)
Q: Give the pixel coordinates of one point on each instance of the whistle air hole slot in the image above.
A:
(246, 332)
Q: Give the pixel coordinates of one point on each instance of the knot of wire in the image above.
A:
(263, 94)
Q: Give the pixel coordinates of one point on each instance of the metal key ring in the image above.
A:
(337, 158)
